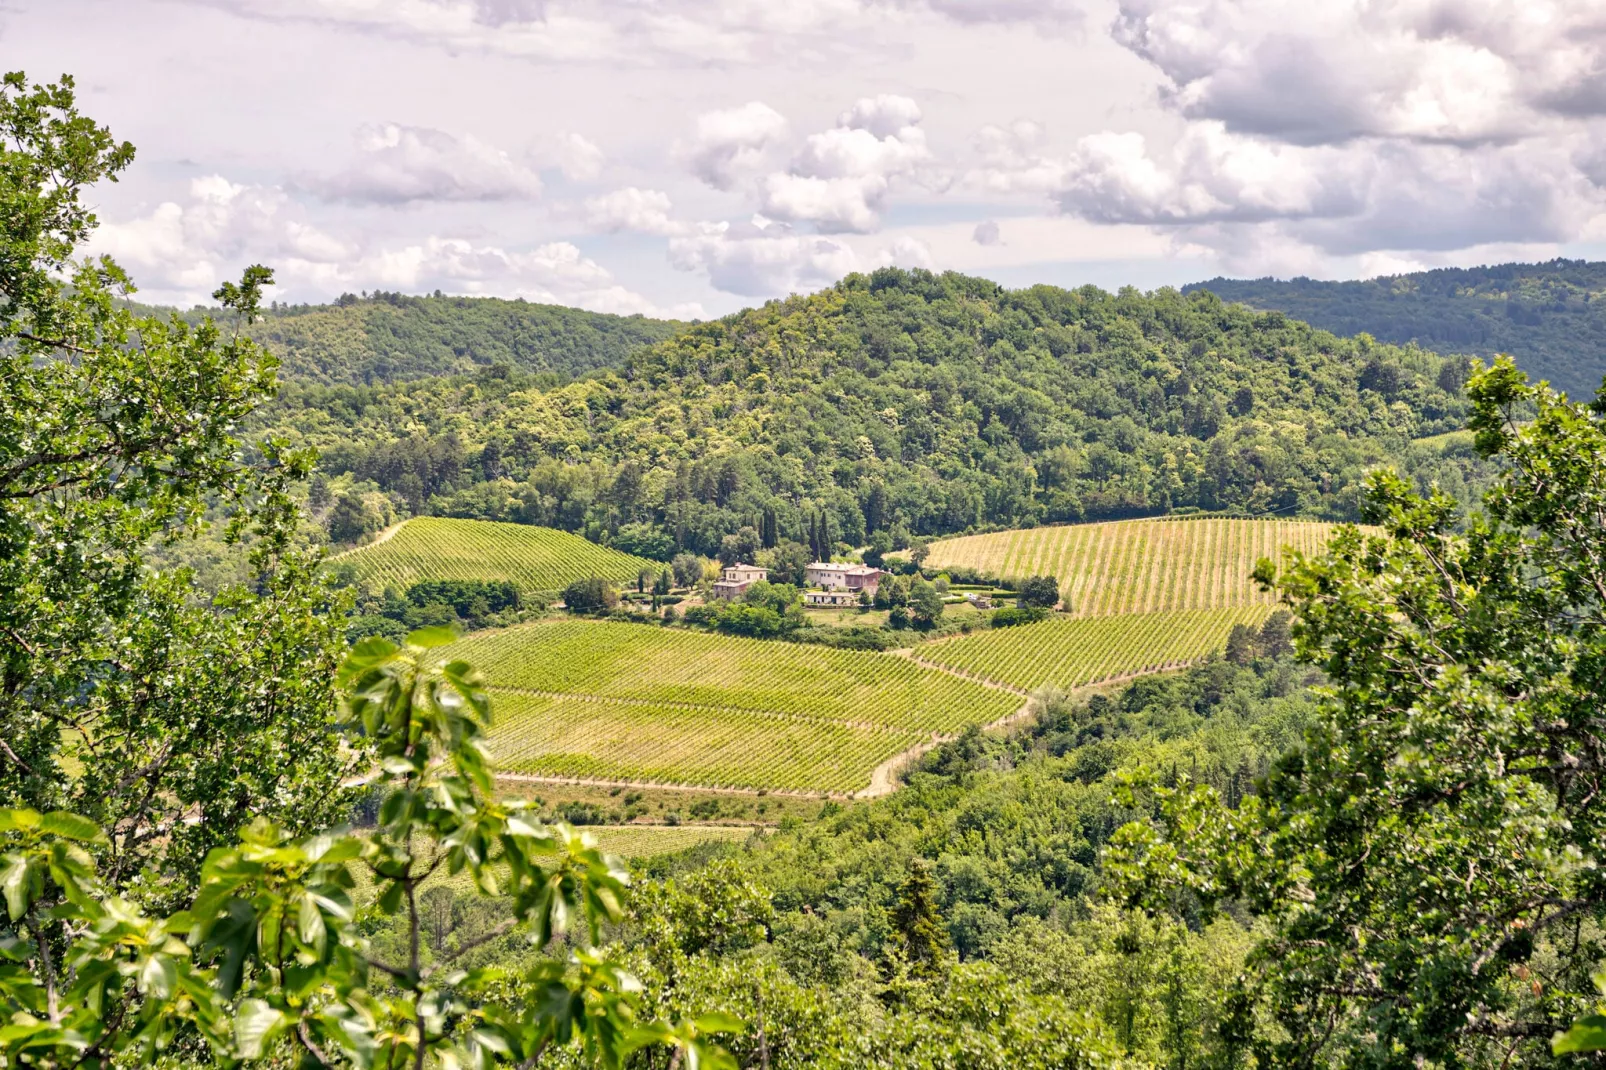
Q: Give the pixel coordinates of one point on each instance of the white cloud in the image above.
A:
(986, 233)
(761, 258)
(398, 164)
(578, 158)
(645, 211)
(906, 251)
(180, 252)
(1012, 159)
(728, 32)
(730, 143)
(1431, 70)
(840, 177)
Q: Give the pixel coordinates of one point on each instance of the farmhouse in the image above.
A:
(834, 577)
(738, 578)
(830, 598)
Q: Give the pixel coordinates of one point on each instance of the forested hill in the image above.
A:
(910, 402)
(1551, 316)
(385, 337)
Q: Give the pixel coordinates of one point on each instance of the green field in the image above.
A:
(1072, 651)
(534, 559)
(1138, 566)
(633, 702)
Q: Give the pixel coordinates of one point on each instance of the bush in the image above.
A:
(1008, 617)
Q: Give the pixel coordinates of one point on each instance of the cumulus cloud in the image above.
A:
(1464, 71)
(578, 158)
(1012, 159)
(761, 258)
(644, 211)
(986, 233)
(398, 164)
(840, 177)
(729, 144)
(180, 251)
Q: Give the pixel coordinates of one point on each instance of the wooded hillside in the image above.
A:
(912, 403)
(385, 337)
(1550, 316)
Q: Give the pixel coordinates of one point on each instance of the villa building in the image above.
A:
(834, 577)
(738, 578)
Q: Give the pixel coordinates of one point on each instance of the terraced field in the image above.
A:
(534, 559)
(1138, 566)
(632, 702)
(1071, 651)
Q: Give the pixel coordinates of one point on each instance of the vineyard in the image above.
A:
(534, 559)
(1072, 651)
(1138, 566)
(631, 702)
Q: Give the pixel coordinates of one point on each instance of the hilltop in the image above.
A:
(1550, 316)
(910, 403)
(389, 337)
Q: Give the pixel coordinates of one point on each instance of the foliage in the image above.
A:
(269, 962)
(377, 338)
(590, 595)
(1427, 863)
(168, 714)
(910, 403)
(1548, 316)
(1041, 591)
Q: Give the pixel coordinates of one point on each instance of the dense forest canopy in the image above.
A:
(914, 403)
(384, 337)
(1550, 316)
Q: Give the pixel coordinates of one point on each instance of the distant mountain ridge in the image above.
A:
(1550, 316)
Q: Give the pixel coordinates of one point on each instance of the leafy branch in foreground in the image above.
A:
(1428, 863)
(270, 960)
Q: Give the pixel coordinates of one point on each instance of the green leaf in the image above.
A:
(15, 884)
(310, 926)
(17, 820)
(1587, 1034)
(72, 827)
(719, 1023)
(369, 653)
(426, 638)
(158, 977)
(254, 1023)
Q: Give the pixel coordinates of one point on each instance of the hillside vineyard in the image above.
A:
(1068, 653)
(534, 559)
(1138, 566)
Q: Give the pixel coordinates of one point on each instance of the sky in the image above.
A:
(692, 157)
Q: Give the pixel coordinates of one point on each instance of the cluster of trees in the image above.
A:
(900, 405)
(1551, 317)
(462, 605)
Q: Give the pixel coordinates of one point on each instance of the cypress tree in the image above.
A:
(917, 929)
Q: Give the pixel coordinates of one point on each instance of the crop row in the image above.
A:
(672, 667)
(1069, 652)
(572, 736)
(1138, 566)
(534, 559)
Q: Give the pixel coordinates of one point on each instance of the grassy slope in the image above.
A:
(535, 559)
